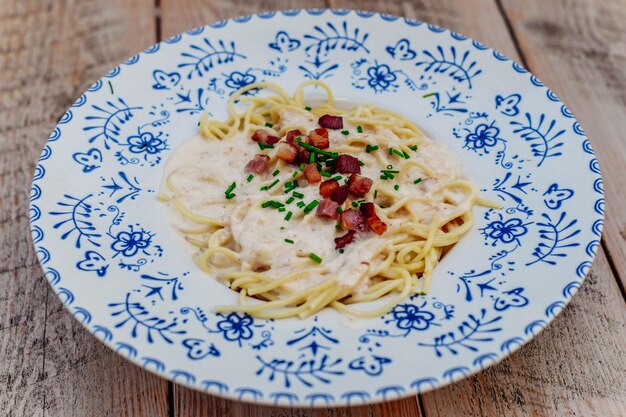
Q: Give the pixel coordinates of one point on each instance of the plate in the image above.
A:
(104, 242)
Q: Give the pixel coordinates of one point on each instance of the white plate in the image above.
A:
(107, 250)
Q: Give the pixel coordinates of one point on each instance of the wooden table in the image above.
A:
(52, 50)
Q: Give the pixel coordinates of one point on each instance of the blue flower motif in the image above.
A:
(146, 142)
(237, 80)
(129, 243)
(380, 77)
(410, 317)
(484, 137)
(505, 231)
(236, 328)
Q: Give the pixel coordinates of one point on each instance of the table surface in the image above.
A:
(52, 50)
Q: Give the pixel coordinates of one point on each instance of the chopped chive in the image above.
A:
(337, 177)
(406, 155)
(283, 227)
(297, 194)
(267, 187)
(341, 250)
(375, 193)
(315, 149)
(275, 173)
(359, 129)
(391, 151)
(198, 123)
(325, 174)
(288, 216)
(273, 203)
(361, 163)
(289, 241)
(389, 166)
(311, 206)
(281, 209)
(417, 181)
(355, 204)
(302, 166)
(414, 148)
(371, 148)
(339, 209)
(312, 157)
(291, 185)
(345, 132)
(301, 204)
(428, 95)
(337, 227)
(268, 124)
(295, 174)
(315, 258)
(396, 187)
(250, 177)
(290, 200)
(229, 191)
(307, 108)
(263, 146)
(401, 154)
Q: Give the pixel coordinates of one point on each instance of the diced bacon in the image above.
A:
(368, 209)
(344, 240)
(377, 225)
(286, 152)
(341, 194)
(327, 209)
(359, 186)
(319, 138)
(348, 164)
(292, 135)
(331, 122)
(304, 155)
(312, 174)
(352, 220)
(327, 188)
(369, 212)
(258, 164)
(264, 137)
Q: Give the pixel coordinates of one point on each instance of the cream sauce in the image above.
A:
(200, 171)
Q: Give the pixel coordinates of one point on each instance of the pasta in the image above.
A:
(268, 220)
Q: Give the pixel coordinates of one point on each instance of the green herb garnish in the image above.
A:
(371, 148)
(311, 206)
(229, 191)
(289, 241)
(288, 216)
(263, 146)
(414, 148)
(417, 181)
(268, 124)
(275, 173)
(396, 187)
(315, 258)
(333, 155)
(250, 178)
(345, 132)
(307, 108)
(359, 129)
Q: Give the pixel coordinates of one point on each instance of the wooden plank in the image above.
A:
(578, 48)
(50, 51)
(179, 16)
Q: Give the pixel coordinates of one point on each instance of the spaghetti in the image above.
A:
(298, 217)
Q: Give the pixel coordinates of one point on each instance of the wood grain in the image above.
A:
(50, 51)
(581, 55)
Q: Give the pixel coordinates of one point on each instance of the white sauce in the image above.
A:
(201, 170)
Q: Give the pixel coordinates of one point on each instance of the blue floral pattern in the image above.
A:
(101, 235)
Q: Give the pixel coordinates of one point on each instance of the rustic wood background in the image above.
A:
(52, 50)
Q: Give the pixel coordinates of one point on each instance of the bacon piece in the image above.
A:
(258, 164)
(340, 194)
(359, 186)
(369, 212)
(348, 164)
(304, 155)
(368, 209)
(344, 240)
(327, 188)
(376, 225)
(327, 209)
(352, 220)
(312, 174)
(331, 122)
(319, 138)
(264, 137)
(286, 152)
(292, 135)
